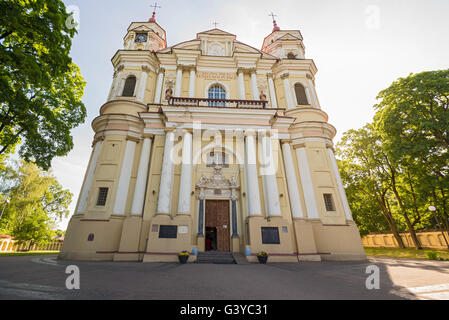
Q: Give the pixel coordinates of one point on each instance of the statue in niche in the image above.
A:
(263, 96)
(168, 93)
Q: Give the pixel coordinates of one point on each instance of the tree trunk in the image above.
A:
(389, 217)
(403, 210)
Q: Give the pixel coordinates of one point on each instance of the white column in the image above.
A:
(309, 95)
(288, 93)
(192, 83)
(116, 85)
(254, 85)
(142, 177)
(165, 188)
(274, 102)
(185, 185)
(253, 180)
(269, 175)
(313, 90)
(142, 87)
(157, 95)
(307, 184)
(125, 177)
(292, 183)
(89, 177)
(242, 95)
(178, 83)
(341, 189)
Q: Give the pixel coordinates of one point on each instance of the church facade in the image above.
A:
(212, 145)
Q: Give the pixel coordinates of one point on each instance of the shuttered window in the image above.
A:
(301, 96)
(130, 85)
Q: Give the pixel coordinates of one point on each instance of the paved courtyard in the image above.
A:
(45, 278)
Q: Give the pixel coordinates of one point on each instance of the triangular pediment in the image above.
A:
(289, 36)
(216, 32)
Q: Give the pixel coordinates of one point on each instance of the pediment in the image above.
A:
(142, 28)
(289, 36)
(215, 32)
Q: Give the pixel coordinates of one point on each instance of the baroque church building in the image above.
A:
(212, 145)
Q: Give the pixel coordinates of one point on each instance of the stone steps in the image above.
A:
(215, 258)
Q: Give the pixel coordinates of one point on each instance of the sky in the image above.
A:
(360, 47)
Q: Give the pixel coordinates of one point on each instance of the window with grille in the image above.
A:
(217, 93)
(130, 85)
(220, 159)
(301, 96)
(102, 197)
(329, 202)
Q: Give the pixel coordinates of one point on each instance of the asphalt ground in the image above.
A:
(44, 278)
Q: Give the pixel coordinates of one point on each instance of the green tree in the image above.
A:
(366, 173)
(40, 87)
(37, 203)
(413, 119)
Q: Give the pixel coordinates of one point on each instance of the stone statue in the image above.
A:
(168, 93)
(263, 96)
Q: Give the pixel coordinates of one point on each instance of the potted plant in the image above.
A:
(262, 256)
(183, 257)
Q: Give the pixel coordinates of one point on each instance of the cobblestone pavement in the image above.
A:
(45, 278)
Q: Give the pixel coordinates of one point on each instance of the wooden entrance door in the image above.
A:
(217, 216)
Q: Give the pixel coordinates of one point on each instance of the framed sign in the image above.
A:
(270, 235)
(183, 229)
(168, 232)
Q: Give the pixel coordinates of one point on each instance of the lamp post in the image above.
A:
(433, 210)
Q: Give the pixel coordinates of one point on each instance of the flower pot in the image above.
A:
(183, 259)
(262, 259)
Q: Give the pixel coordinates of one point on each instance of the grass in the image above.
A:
(403, 253)
(31, 253)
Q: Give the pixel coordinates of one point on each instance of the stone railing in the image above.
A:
(9, 245)
(218, 103)
(428, 239)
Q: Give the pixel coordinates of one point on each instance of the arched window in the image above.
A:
(301, 96)
(291, 55)
(130, 85)
(217, 92)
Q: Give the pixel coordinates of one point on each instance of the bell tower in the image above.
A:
(145, 36)
(284, 44)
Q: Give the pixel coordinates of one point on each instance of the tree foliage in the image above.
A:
(40, 86)
(36, 203)
(398, 165)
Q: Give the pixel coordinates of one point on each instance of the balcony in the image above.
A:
(218, 103)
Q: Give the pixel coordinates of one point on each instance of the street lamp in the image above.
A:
(433, 210)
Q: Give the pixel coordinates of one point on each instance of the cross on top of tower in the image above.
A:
(154, 6)
(215, 23)
(276, 28)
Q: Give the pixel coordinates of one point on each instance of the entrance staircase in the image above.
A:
(214, 257)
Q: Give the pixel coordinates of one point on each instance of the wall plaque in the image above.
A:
(270, 235)
(168, 232)
(183, 229)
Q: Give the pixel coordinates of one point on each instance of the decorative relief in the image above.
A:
(217, 185)
(216, 49)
